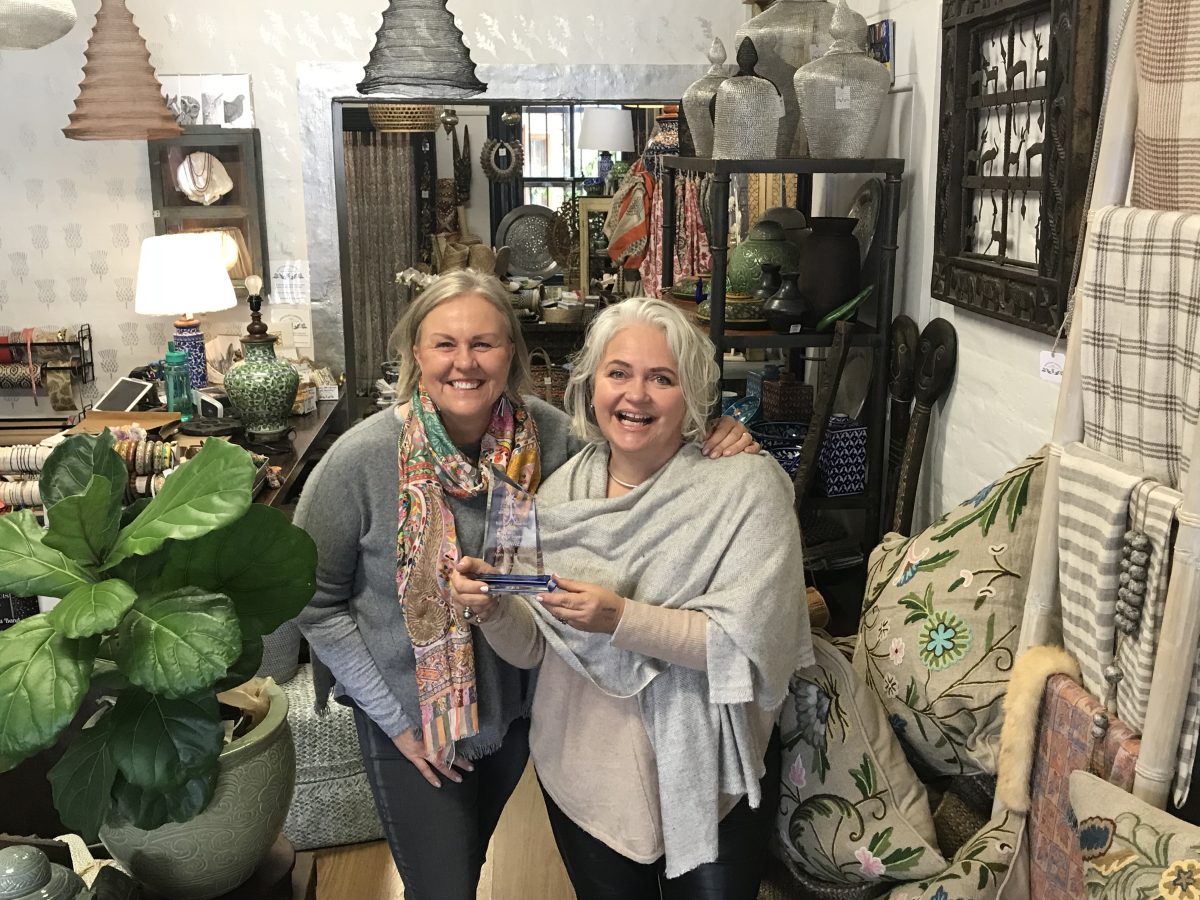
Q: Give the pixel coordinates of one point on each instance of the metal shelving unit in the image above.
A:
(875, 334)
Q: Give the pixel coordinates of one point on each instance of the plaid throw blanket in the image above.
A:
(1140, 282)
(1166, 161)
(1093, 511)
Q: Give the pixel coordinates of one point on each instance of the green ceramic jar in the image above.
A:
(766, 243)
(262, 389)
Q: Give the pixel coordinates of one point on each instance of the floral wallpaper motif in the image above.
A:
(75, 212)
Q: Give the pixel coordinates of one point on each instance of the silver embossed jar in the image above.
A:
(841, 94)
(697, 100)
(746, 113)
(787, 35)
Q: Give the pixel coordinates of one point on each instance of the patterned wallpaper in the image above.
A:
(73, 214)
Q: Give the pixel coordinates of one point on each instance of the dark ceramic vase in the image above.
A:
(787, 306)
(770, 283)
(830, 269)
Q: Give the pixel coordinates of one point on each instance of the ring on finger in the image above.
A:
(468, 613)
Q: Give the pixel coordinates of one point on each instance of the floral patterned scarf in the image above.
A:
(427, 549)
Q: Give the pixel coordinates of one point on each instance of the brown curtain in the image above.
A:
(385, 238)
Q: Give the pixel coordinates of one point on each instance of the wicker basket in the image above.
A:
(406, 117)
(549, 380)
(563, 315)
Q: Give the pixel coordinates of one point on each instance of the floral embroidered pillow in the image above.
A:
(980, 869)
(1131, 849)
(941, 619)
(851, 810)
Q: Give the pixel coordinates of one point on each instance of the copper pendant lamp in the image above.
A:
(419, 51)
(120, 98)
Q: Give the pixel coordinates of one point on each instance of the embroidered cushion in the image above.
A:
(980, 869)
(851, 810)
(941, 619)
(1131, 849)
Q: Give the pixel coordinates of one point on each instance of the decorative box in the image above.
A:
(842, 466)
(787, 399)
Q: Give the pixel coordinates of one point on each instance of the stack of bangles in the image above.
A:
(18, 494)
(23, 459)
(146, 457)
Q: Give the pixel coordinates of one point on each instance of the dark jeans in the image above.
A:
(439, 836)
(600, 873)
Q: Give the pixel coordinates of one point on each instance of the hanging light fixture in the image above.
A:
(120, 98)
(404, 118)
(419, 52)
(30, 24)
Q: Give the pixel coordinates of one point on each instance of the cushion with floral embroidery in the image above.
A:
(1131, 849)
(852, 810)
(941, 619)
(980, 869)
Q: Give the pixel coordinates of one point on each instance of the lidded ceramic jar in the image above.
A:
(26, 874)
(841, 94)
(789, 34)
(262, 387)
(698, 98)
(766, 243)
(746, 111)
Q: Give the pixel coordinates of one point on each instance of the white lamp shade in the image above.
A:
(606, 129)
(183, 273)
(30, 24)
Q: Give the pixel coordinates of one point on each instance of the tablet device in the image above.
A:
(124, 395)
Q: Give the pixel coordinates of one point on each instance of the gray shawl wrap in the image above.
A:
(716, 537)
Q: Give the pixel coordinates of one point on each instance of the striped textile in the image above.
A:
(1152, 512)
(1166, 161)
(1093, 514)
(1140, 366)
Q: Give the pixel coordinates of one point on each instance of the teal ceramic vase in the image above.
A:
(216, 851)
(766, 243)
(262, 388)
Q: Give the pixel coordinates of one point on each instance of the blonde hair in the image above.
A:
(694, 355)
(451, 286)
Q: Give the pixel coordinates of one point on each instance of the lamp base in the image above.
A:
(189, 337)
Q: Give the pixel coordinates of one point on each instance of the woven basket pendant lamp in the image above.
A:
(30, 24)
(419, 52)
(120, 98)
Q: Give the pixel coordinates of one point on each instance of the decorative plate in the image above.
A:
(855, 383)
(865, 209)
(744, 410)
(740, 312)
(526, 232)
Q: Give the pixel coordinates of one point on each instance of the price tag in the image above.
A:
(796, 329)
(503, 153)
(424, 195)
(841, 96)
(1050, 366)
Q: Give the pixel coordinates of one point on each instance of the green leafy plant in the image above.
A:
(163, 605)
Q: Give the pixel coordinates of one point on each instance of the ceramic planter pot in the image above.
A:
(830, 267)
(262, 389)
(219, 849)
(787, 306)
(766, 243)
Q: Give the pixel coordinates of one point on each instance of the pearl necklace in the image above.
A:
(624, 484)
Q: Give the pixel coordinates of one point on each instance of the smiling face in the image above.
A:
(638, 400)
(465, 353)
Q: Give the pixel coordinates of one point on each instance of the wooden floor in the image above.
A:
(522, 860)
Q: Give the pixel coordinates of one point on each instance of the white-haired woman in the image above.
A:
(666, 650)
(395, 503)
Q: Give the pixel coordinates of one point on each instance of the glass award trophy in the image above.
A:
(512, 544)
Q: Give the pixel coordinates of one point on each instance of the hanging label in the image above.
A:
(502, 152)
(1050, 366)
(796, 329)
(424, 195)
(841, 96)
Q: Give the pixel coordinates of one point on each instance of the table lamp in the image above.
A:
(606, 129)
(181, 275)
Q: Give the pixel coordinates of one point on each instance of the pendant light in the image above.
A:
(120, 98)
(30, 24)
(419, 52)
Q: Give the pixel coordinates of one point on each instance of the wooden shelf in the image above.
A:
(172, 213)
(741, 338)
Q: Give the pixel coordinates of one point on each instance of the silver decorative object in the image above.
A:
(419, 52)
(449, 118)
(787, 35)
(747, 112)
(697, 100)
(841, 94)
(26, 874)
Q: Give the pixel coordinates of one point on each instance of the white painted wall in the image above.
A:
(73, 214)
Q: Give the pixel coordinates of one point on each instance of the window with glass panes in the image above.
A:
(555, 166)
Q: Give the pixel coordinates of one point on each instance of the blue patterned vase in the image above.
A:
(189, 338)
(262, 389)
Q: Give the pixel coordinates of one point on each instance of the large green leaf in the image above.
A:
(84, 526)
(142, 571)
(179, 642)
(28, 567)
(73, 463)
(93, 608)
(82, 780)
(149, 808)
(160, 743)
(262, 562)
(43, 677)
(208, 492)
(244, 667)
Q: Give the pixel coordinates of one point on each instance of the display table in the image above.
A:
(307, 431)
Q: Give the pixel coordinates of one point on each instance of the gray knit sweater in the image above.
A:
(354, 623)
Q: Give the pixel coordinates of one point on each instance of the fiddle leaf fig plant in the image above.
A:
(163, 605)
